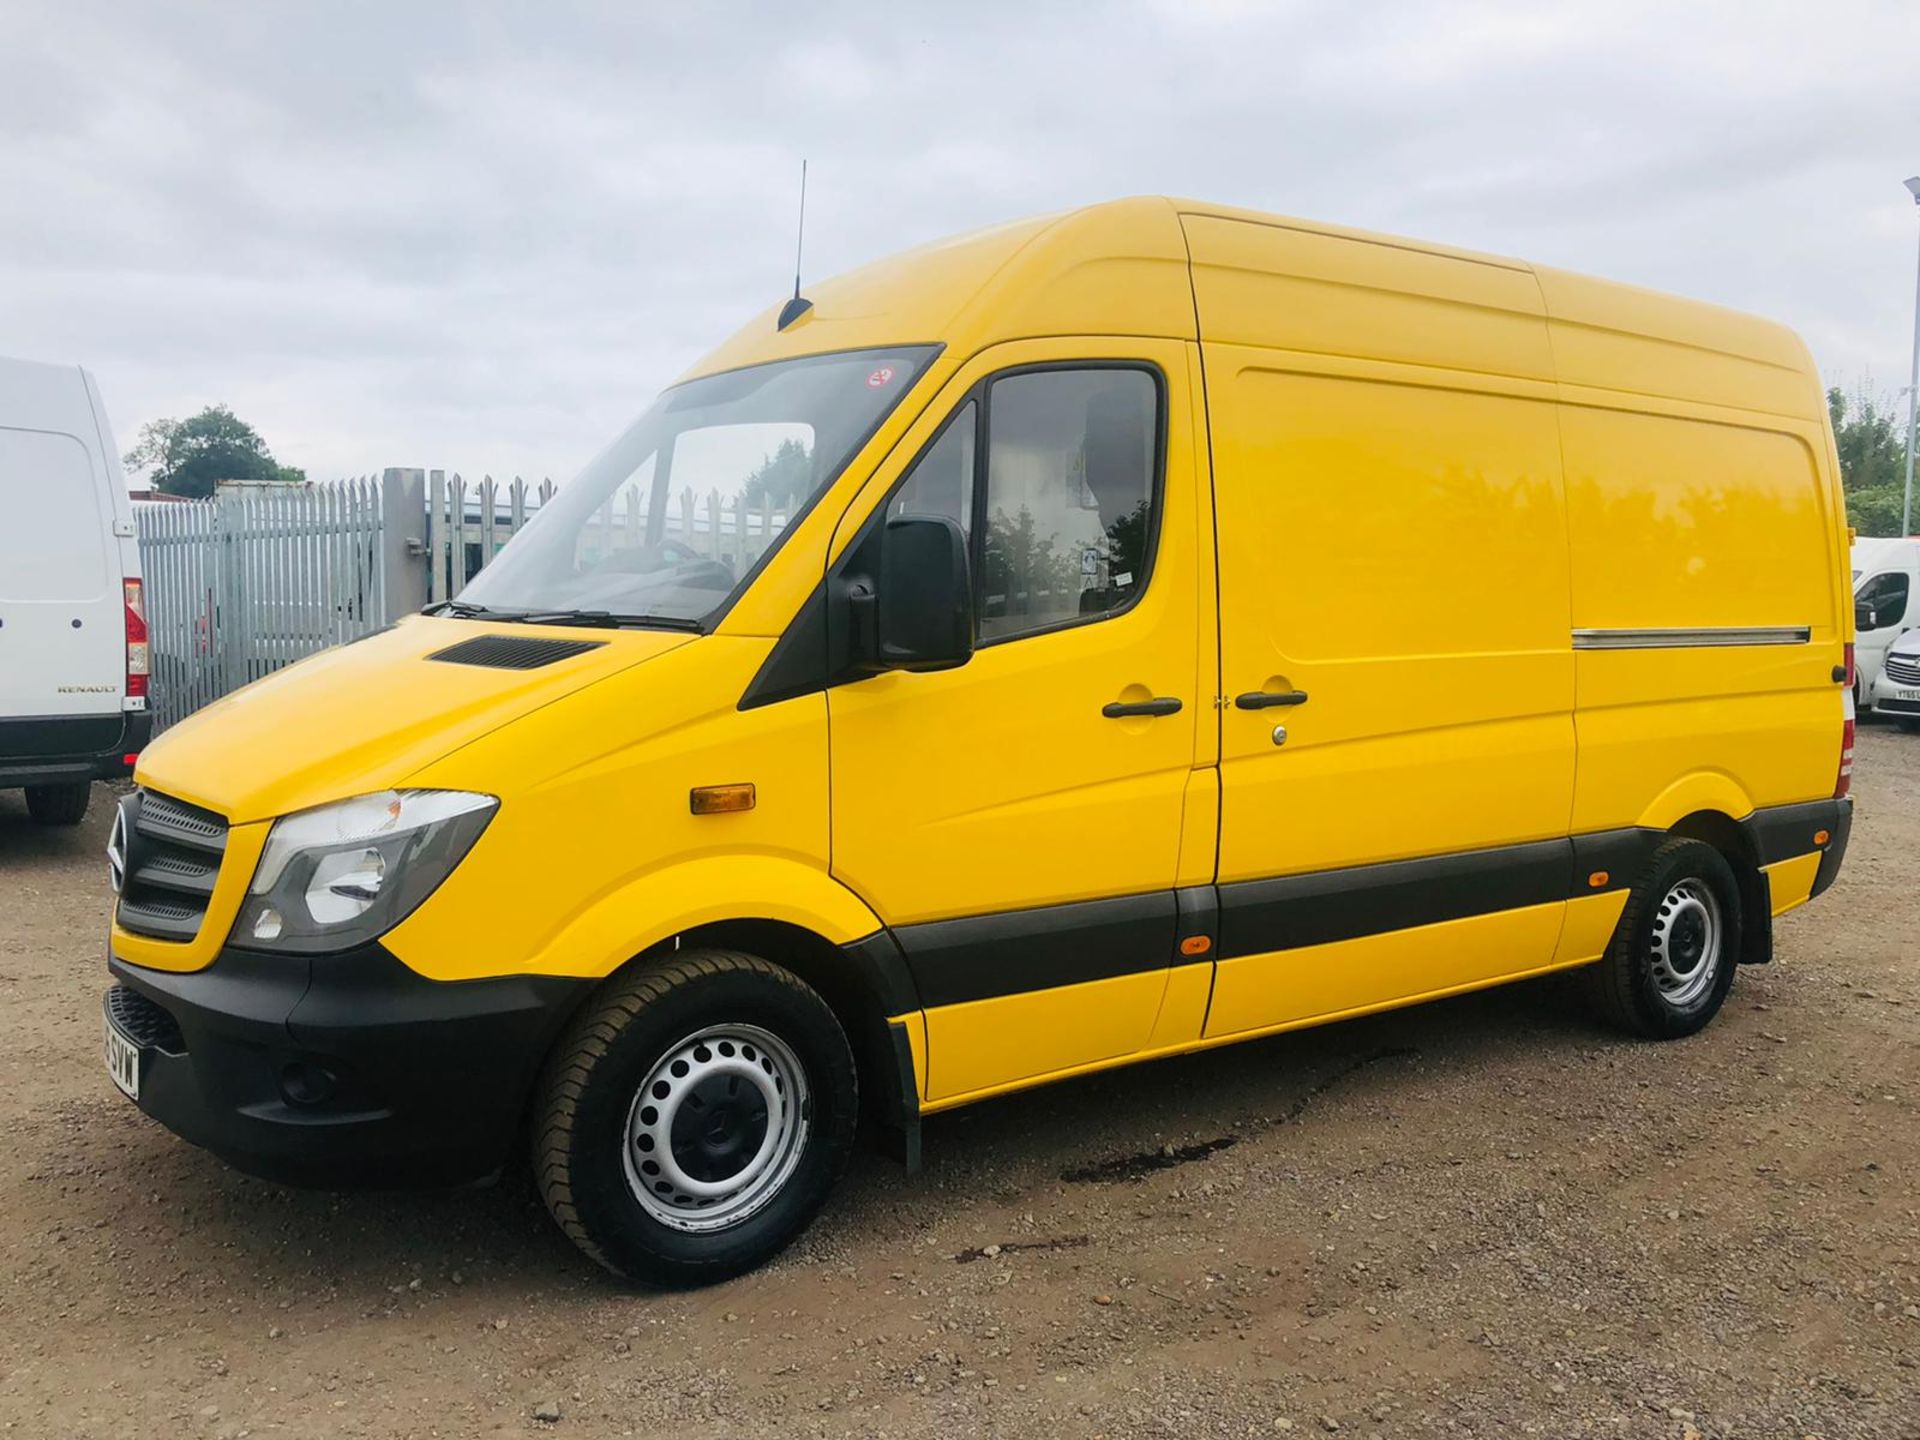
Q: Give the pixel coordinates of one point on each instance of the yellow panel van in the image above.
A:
(1187, 625)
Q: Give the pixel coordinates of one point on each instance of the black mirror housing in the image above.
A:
(923, 596)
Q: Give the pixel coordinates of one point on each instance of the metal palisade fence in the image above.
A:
(253, 579)
(260, 576)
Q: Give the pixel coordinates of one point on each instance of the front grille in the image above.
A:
(144, 1022)
(171, 860)
(1904, 668)
(513, 652)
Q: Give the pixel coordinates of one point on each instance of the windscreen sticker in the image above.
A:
(880, 377)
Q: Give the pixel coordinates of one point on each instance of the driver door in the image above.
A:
(1017, 820)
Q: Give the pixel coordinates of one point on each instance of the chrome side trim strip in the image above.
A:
(1690, 639)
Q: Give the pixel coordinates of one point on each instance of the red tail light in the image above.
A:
(137, 661)
(1843, 782)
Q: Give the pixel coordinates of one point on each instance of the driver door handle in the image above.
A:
(1265, 699)
(1159, 705)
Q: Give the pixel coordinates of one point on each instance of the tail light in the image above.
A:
(1843, 782)
(137, 659)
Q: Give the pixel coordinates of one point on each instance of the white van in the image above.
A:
(73, 626)
(1886, 604)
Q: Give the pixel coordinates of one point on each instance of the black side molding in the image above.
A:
(983, 956)
(1259, 916)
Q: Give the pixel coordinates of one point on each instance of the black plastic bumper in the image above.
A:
(70, 749)
(1835, 853)
(341, 1070)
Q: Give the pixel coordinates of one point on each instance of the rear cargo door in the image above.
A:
(62, 626)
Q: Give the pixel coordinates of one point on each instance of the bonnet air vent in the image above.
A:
(513, 652)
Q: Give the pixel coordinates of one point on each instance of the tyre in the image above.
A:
(1671, 961)
(691, 1123)
(59, 804)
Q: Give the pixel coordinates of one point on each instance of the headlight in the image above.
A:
(342, 874)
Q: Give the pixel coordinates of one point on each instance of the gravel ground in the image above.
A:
(1484, 1217)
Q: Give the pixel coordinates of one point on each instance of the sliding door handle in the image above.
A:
(1267, 699)
(1159, 705)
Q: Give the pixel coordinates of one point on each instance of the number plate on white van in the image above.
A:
(123, 1062)
(1906, 694)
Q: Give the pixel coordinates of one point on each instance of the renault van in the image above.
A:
(1057, 729)
(73, 620)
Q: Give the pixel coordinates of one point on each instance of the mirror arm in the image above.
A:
(863, 627)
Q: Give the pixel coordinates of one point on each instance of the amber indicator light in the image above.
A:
(1820, 837)
(1196, 945)
(720, 799)
(1598, 879)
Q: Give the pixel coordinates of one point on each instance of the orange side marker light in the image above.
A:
(720, 799)
(1820, 837)
(1196, 945)
(1598, 880)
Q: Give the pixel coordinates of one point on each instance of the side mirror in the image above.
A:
(1864, 617)
(923, 598)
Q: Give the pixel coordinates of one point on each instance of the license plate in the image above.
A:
(1904, 694)
(123, 1062)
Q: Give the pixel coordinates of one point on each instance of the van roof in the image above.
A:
(38, 396)
(1122, 268)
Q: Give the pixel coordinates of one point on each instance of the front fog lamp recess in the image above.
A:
(342, 874)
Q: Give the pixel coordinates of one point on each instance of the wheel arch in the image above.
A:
(867, 986)
(1735, 840)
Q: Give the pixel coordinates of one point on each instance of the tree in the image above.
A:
(189, 457)
(783, 479)
(1873, 459)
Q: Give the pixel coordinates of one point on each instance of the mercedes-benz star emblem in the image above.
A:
(117, 850)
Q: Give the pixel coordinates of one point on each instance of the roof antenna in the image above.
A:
(797, 306)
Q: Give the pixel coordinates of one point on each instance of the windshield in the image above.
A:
(671, 519)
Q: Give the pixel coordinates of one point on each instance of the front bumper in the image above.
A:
(1889, 702)
(71, 749)
(340, 1070)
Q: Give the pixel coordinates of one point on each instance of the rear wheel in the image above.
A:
(59, 804)
(693, 1121)
(1672, 958)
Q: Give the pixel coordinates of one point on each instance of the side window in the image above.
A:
(1068, 514)
(1881, 602)
(941, 481)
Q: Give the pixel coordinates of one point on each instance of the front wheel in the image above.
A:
(1673, 955)
(691, 1123)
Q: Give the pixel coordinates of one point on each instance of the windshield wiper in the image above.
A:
(611, 619)
(467, 610)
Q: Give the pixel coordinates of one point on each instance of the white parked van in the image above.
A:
(1886, 604)
(73, 628)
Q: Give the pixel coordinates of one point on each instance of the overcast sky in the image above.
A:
(480, 237)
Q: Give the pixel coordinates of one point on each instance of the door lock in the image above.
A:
(1279, 734)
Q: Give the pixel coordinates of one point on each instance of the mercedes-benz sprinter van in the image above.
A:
(73, 619)
(1074, 717)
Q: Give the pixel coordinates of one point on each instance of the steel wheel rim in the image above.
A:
(716, 1128)
(1687, 934)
